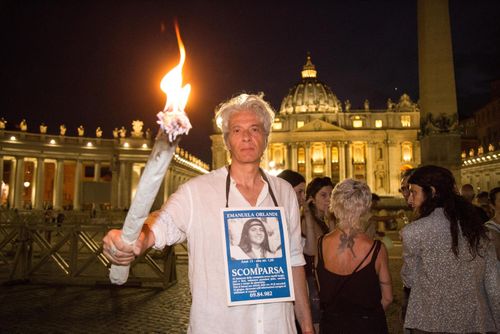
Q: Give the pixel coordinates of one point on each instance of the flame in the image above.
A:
(171, 83)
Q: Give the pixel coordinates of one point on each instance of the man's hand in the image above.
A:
(118, 251)
(307, 206)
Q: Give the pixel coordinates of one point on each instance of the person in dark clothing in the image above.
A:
(297, 181)
(467, 192)
(352, 268)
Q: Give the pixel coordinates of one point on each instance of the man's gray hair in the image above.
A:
(250, 102)
(350, 202)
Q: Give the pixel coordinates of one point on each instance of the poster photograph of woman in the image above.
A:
(254, 238)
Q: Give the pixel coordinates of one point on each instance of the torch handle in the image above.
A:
(149, 184)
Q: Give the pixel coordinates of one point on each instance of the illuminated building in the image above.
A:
(316, 134)
(62, 172)
(481, 143)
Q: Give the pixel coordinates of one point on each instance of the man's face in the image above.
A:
(246, 140)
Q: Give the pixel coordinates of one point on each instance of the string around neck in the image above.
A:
(264, 177)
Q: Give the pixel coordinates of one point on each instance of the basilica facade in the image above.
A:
(317, 134)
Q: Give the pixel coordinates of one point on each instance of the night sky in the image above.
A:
(99, 63)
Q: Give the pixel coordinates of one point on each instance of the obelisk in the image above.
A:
(440, 136)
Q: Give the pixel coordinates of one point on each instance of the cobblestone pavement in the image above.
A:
(103, 309)
(111, 309)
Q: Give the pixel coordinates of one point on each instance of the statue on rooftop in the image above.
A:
(62, 129)
(43, 128)
(123, 132)
(81, 131)
(367, 105)
(137, 128)
(390, 105)
(115, 133)
(98, 132)
(23, 125)
(480, 150)
(347, 105)
(3, 122)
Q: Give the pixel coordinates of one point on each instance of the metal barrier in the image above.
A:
(70, 253)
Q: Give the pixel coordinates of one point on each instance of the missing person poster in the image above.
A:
(257, 256)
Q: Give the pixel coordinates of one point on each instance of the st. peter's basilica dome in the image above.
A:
(310, 95)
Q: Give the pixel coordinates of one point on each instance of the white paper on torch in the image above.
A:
(148, 187)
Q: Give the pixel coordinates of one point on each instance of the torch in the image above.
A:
(173, 122)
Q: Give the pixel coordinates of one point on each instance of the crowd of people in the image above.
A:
(341, 277)
(449, 247)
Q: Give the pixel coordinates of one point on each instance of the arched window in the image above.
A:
(406, 151)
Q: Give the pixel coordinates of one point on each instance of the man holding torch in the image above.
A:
(193, 213)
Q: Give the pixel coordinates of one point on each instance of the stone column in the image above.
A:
(393, 172)
(370, 158)
(308, 175)
(387, 162)
(348, 159)
(124, 185)
(121, 186)
(328, 167)
(438, 101)
(294, 157)
(342, 161)
(59, 183)
(285, 156)
(77, 202)
(12, 183)
(97, 171)
(18, 185)
(39, 183)
(115, 181)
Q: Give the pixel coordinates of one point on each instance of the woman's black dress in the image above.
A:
(351, 303)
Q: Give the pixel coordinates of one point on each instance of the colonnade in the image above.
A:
(59, 172)
(380, 162)
(121, 185)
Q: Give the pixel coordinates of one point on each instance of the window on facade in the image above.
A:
(357, 123)
(378, 123)
(317, 153)
(301, 155)
(335, 154)
(277, 154)
(405, 121)
(406, 151)
(277, 125)
(300, 124)
(89, 171)
(106, 173)
(358, 153)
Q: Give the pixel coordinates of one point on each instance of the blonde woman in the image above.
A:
(352, 268)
